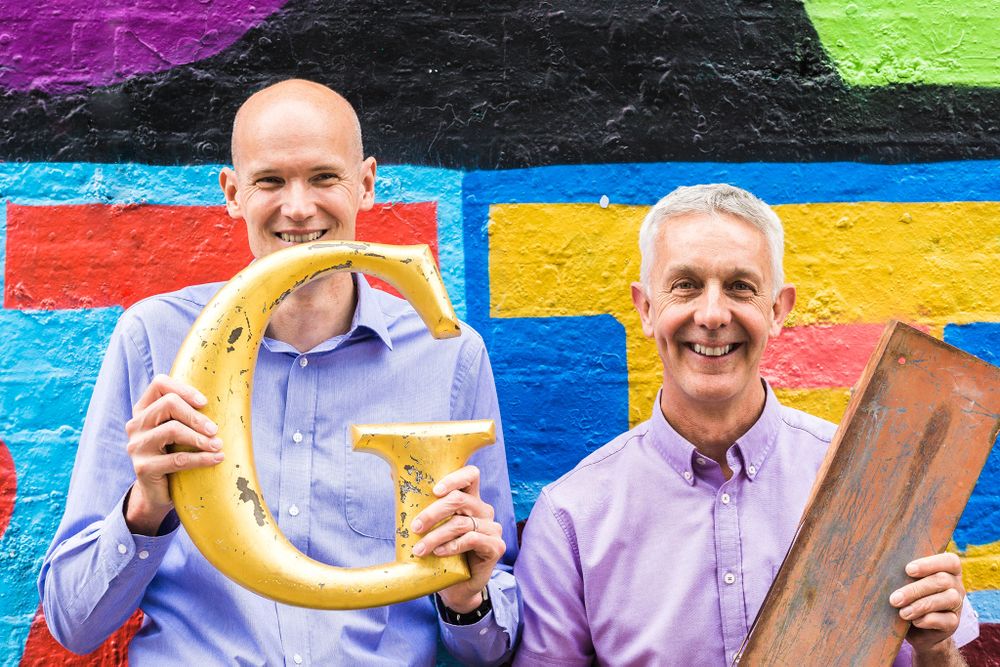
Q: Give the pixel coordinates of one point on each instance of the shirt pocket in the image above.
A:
(369, 496)
(756, 583)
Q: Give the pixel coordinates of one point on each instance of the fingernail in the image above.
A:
(906, 613)
(211, 428)
(200, 398)
(441, 551)
(218, 457)
(419, 549)
(895, 598)
(911, 569)
(215, 443)
(417, 526)
(439, 489)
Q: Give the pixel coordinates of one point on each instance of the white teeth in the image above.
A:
(299, 238)
(712, 351)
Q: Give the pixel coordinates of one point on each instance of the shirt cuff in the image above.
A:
(490, 639)
(122, 549)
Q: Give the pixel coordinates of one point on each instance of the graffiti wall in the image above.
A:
(524, 143)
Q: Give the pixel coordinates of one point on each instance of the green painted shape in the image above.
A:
(882, 42)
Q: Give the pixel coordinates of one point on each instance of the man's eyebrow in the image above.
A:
(734, 272)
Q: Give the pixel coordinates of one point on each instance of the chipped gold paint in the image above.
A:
(222, 507)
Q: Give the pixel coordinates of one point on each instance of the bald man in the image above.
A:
(335, 353)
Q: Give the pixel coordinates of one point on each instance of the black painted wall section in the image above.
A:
(512, 84)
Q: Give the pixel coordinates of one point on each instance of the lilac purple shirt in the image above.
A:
(334, 504)
(644, 554)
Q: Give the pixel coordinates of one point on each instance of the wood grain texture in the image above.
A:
(897, 476)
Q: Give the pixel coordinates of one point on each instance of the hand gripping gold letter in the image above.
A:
(222, 507)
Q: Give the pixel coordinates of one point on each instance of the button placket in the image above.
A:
(295, 490)
(729, 562)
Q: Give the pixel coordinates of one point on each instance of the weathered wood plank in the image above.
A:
(898, 474)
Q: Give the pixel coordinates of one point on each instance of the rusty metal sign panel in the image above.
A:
(899, 471)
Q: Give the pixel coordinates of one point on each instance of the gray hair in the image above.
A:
(713, 198)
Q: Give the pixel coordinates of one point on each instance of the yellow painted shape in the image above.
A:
(828, 404)
(932, 263)
(851, 263)
(981, 567)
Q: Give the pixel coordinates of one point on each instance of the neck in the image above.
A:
(315, 312)
(713, 427)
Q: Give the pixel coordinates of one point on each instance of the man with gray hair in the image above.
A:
(658, 548)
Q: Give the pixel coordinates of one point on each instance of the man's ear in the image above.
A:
(367, 182)
(782, 307)
(641, 301)
(230, 184)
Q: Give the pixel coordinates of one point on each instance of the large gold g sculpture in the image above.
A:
(222, 507)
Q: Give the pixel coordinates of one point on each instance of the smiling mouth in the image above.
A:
(707, 351)
(299, 238)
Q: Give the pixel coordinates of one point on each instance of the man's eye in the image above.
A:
(684, 285)
(325, 177)
(268, 181)
(741, 286)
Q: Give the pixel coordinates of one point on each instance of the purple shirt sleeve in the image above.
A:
(556, 630)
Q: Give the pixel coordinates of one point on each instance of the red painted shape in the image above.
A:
(985, 651)
(8, 487)
(94, 255)
(399, 224)
(820, 356)
(42, 650)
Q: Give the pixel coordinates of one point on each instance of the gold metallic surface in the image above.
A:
(222, 507)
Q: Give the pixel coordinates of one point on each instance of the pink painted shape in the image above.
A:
(8, 487)
(64, 45)
(820, 356)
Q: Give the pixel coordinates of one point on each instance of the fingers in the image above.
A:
(935, 574)
(946, 562)
(458, 535)
(165, 415)
(947, 602)
(464, 479)
(161, 385)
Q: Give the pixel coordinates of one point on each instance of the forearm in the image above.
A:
(942, 654)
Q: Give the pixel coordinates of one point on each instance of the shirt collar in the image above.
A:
(368, 318)
(757, 443)
(753, 446)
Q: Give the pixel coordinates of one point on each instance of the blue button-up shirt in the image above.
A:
(333, 504)
(645, 554)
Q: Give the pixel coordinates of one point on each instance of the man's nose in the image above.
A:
(298, 202)
(712, 308)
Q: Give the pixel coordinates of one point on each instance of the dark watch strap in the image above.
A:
(468, 618)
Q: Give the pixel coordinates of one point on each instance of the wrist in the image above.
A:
(464, 612)
(939, 653)
(461, 604)
(141, 517)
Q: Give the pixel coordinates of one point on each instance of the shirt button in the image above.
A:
(729, 578)
(701, 461)
(294, 510)
(297, 659)
(687, 474)
(122, 549)
(143, 555)
(752, 470)
(297, 436)
(303, 362)
(725, 498)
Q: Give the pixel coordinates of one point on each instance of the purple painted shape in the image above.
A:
(65, 45)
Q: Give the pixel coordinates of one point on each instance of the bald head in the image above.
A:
(304, 105)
